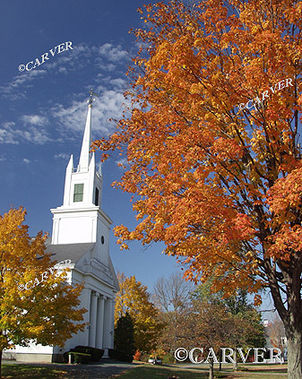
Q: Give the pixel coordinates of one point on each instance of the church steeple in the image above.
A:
(83, 187)
(81, 219)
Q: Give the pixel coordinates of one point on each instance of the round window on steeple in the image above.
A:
(102, 239)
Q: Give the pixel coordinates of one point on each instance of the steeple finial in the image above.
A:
(91, 97)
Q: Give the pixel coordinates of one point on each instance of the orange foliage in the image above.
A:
(137, 355)
(221, 187)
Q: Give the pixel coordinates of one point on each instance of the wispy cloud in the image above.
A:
(25, 160)
(10, 134)
(34, 119)
(109, 105)
(105, 57)
(23, 80)
(8, 124)
(7, 133)
(62, 156)
(112, 53)
(68, 119)
(35, 135)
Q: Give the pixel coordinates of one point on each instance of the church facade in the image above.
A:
(80, 235)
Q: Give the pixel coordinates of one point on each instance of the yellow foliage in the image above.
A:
(45, 313)
(134, 299)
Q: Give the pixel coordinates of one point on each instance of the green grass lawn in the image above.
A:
(155, 372)
(31, 371)
(145, 371)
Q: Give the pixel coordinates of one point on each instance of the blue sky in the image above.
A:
(43, 111)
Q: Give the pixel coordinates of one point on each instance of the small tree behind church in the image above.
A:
(124, 338)
(45, 312)
(133, 298)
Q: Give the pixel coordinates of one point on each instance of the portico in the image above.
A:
(100, 325)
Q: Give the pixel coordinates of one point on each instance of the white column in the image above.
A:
(85, 303)
(100, 322)
(92, 321)
(107, 324)
(112, 322)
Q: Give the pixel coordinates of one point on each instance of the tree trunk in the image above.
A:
(0, 362)
(235, 364)
(220, 358)
(211, 369)
(291, 316)
(294, 356)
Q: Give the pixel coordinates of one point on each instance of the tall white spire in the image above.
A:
(85, 154)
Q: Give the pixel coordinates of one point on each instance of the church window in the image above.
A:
(96, 196)
(78, 192)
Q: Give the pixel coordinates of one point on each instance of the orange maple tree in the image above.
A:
(212, 144)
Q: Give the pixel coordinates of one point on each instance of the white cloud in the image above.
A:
(62, 70)
(35, 135)
(2, 158)
(62, 156)
(109, 105)
(118, 83)
(70, 118)
(34, 119)
(23, 80)
(7, 135)
(103, 57)
(113, 53)
(8, 124)
(12, 135)
(25, 160)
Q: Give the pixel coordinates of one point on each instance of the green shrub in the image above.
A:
(92, 354)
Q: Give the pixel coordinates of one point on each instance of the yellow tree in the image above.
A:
(213, 146)
(45, 312)
(134, 299)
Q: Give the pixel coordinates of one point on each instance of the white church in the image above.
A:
(80, 234)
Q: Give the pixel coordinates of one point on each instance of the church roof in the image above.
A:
(72, 251)
(76, 251)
